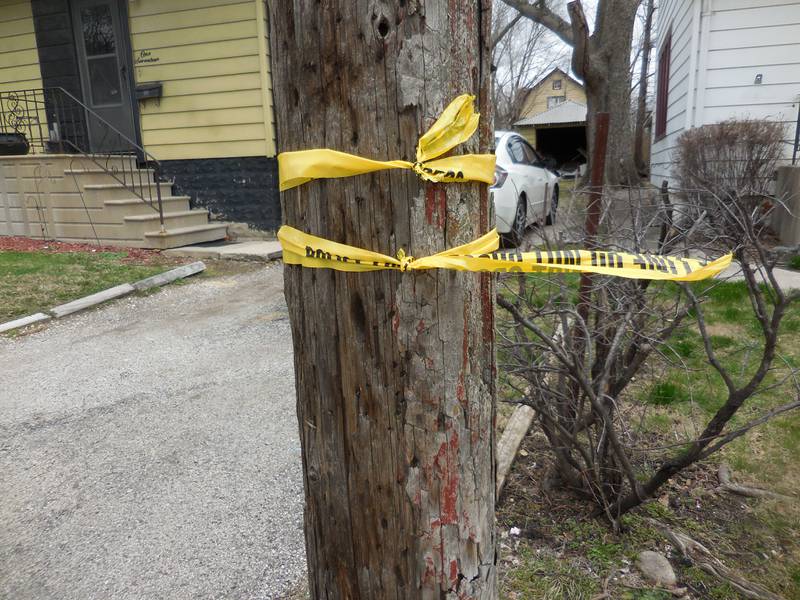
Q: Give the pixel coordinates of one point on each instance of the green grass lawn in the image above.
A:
(34, 281)
(570, 554)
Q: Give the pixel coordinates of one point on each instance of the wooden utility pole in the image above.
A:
(394, 371)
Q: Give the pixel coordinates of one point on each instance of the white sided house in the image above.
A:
(722, 59)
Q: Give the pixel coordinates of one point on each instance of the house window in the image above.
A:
(662, 91)
(557, 84)
(553, 101)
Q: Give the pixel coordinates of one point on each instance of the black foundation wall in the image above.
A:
(242, 190)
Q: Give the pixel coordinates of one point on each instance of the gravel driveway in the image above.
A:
(149, 449)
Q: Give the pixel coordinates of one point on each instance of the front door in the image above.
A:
(105, 73)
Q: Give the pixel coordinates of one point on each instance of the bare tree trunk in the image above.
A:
(394, 371)
(641, 104)
(602, 61)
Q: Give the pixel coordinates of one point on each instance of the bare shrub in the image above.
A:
(579, 373)
(734, 160)
(733, 157)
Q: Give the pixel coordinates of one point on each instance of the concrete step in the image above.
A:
(117, 191)
(77, 230)
(100, 176)
(175, 238)
(139, 225)
(119, 209)
(31, 165)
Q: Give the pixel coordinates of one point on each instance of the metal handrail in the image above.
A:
(68, 123)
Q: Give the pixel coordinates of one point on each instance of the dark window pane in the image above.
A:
(104, 79)
(516, 151)
(98, 30)
(530, 154)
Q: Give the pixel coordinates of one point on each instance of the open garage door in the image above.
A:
(567, 145)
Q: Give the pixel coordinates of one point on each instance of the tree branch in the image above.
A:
(581, 60)
(506, 28)
(541, 13)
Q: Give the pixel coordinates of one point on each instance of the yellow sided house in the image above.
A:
(135, 122)
(553, 118)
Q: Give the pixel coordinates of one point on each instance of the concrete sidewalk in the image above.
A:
(786, 278)
(255, 250)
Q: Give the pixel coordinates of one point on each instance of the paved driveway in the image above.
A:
(149, 449)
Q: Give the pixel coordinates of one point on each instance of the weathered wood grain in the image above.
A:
(394, 372)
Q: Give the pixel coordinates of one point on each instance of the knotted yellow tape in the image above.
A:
(455, 125)
(482, 255)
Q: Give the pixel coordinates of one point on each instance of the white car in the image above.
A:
(524, 191)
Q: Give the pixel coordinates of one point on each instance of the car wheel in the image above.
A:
(514, 237)
(551, 216)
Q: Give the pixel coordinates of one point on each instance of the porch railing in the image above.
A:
(51, 120)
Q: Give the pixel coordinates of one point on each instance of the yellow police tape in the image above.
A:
(483, 255)
(455, 125)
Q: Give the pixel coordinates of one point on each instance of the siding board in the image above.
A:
(204, 118)
(753, 57)
(16, 10)
(15, 27)
(195, 102)
(753, 37)
(218, 133)
(209, 51)
(220, 83)
(195, 35)
(740, 4)
(172, 17)
(747, 18)
(198, 69)
(13, 43)
(742, 76)
(214, 150)
(751, 95)
(155, 9)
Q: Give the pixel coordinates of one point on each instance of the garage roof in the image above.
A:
(568, 111)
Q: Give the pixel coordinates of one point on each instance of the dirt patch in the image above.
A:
(724, 329)
(553, 545)
(25, 244)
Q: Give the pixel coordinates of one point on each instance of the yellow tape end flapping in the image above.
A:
(454, 126)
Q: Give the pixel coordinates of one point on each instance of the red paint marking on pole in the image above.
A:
(430, 202)
(446, 463)
(441, 215)
(430, 571)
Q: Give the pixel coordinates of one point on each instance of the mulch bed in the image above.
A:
(24, 244)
